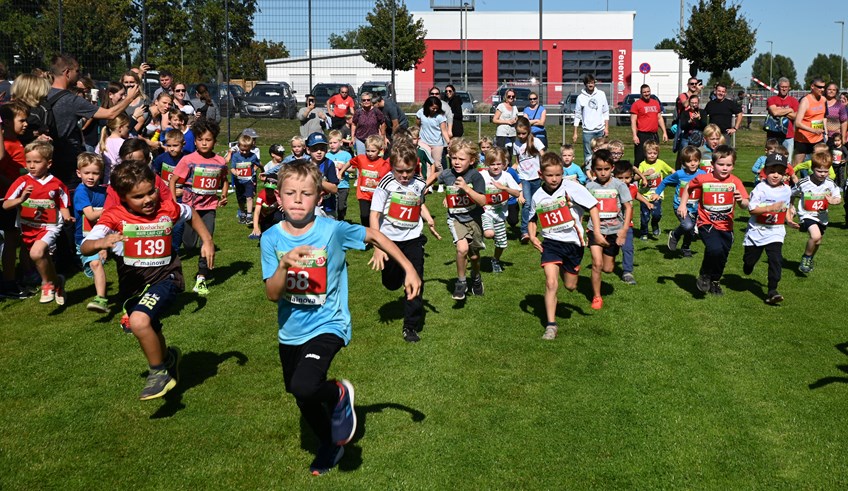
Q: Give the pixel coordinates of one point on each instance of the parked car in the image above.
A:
(383, 89)
(232, 103)
(625, 105)
(467, 104)
(567, 108)
(271, 100)
(522, 98)
(323, 92)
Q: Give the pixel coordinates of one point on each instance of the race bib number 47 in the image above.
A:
(147, 245)
(306, 283)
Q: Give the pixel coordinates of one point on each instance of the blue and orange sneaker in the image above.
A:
(344, 417)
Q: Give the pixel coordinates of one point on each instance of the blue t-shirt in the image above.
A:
(292, 157)
(328, 170)
(680, 179)
(340, 159)
(309, 309)
(238, 158)
(166, 158)
(575, 170)
(514, 173)
(188, 146)
(84, 197)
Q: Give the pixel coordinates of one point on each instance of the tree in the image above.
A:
(724, 78)
(376, 36)
(782, 67)
(249, 63)
(348, 40)
(21, 45)
(718, 38)
(668, 43)
(826, 67)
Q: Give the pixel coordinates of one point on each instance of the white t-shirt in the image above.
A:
(767, 228)
(556, 219)
(528, 165)
(496, 200)
(813, 204)
(505, 129)
(399, 207)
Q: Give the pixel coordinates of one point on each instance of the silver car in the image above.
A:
(567, 108)
(467, 105)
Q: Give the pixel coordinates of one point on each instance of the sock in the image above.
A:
(200, 277)
(154, 368)
(460, 279)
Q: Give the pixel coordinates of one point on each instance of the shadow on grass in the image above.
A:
(793, 266)
(394, 310)
(535, 305)
(824, 381)
(352, 459)
(195, 369)
(584, 284)
(685, 282)
(222, 273)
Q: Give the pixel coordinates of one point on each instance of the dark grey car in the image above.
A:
(270, 100)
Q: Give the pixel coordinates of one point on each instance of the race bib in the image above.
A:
(244, 170)
(655, 181)
(368, 180)
(167, 170)
(496, 198)
(458, 201)
(706, 165)
(86, 223)
(815, 202)
(206, 181)
(39, 212)
(306, 284)
(404, 210)
(608, 205)
(777, 218)
(570, 177)
(147, 245)
(718, 197)
(555, 216)
(817, 124)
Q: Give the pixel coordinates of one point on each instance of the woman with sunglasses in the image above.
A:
(506, 114)
(180, 99)
(537, 114)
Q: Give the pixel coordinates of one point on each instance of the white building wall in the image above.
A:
(663, 78)
(525, 25)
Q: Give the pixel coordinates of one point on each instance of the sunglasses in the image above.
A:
(180, 90)
(818, 86)
(533, 99)
(510, 97)
(449, 91)
(365, 100)
(693, 83)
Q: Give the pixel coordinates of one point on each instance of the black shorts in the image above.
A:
(610, 250)
(804, 147)
(807, 223)
(567, 255)
(154, 302)
(245, 189)
(307, 364)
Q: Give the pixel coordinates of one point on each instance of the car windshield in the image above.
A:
(375, 89)
(464, 96)
(265, 92)
(520, 94)
(572, 99)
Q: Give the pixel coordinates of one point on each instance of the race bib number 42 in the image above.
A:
(814, 202)
(306, 283)
(147, 245)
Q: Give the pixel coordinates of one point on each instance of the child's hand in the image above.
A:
(834, 200)
(432, 226)
(207, 251)
(222, 201)
(26, 193)
(378, 260)
(681, 211)
(460, 183)
(651, 205)
(536, 243)
(643, 181)
(412, 286)
(521, 199)
(295, 256)
(113, 239)
(103, 255)
(737, 195)
(621, 237)
(653, 197)
(499, 186)
(601, 240)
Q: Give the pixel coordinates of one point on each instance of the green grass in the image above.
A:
(662, 388)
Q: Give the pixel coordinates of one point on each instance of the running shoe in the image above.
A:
(343, 424)
(98, 304)
(157, 385)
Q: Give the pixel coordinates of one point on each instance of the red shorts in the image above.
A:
(47, 235)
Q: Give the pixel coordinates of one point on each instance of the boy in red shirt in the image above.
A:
(372, 167)
(42, 200)
(12, 166)
(717, 194)
(204, 174)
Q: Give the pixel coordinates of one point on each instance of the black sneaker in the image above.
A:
(477, 285)
(410, 336)
(774, 298)
(672, 242)
(715, 289)
(328, 457)
(687, 252)
(13, 291)
(459, 290)
(703, 283)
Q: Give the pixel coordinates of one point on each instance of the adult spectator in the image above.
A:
(31, 90)
(455, 105)
(311, 118)
(5, 85)
(691, 122)
(645, 119)
(506, 115)
(721, 111)
(207, 109)
(67, 111)
(837, 114)
(693, 87)
(537, 114)
(591, 110)
(435, 92)
(749, 110)
(339, 105)
(809, 122)
(166, 82)
(434, 129)
(781, 106)
(395, 118)
(366, 121)
(129, 80)
(181, 100)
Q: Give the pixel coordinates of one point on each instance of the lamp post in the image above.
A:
(841, 50)
(771, 61)
(541, 65)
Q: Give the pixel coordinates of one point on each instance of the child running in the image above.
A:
(397, 210)
(42, 203)
(654, 171)
(719, 192)
(12, 166)
(298, 148)
(690, 161)
(371, 168)
(500, 186)
(816, 192)
(623, 171)
(305, 274)
(243, 166)
(558, 208)
(571, 172)
(89, 199)
(770, 207)
(615, 210)
(528, 150)
(150, 274)
(340, 157)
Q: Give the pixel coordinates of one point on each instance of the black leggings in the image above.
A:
(774, 255)
(394, 275)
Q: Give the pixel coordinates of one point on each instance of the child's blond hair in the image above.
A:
(712, 130)
(599, 143)
(414, 132)
(462, 145)
(89, 158)
(300, 169)
(297, 139)
(245, 140)
(44, 148)
(403, 153)
(821, 160)
(334, 134)
(485, 139)
(820, 147)
(550, 159)
(174, 136)
(374, 141)
(113, 125)
(616, 145)
(651, 145)
(496, 154)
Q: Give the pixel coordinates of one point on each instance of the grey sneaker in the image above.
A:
(703, 283)
(459, 290)
(806, 265)
(628, 278)
(715, 289)
(477, 285)
(687, 252)
(410, 336)
(550, 332)
(496, 266)
(157, 385)
(175, 356)
(672, 242)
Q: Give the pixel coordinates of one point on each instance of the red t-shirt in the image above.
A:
(41, 209)
(646, 115)
(203, 178)
(113, 199)
(716, 201)
(789, 101)
(370, 173)
(342, 105)
(13, 164)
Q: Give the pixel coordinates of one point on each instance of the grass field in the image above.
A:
(663, 388)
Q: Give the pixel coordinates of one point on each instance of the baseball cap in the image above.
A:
(277, 149)
(250, 132)
(775, 160)
(316, 138)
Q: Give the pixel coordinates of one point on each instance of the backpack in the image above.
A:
(41, 118)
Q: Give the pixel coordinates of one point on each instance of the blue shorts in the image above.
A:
(153, 301)
(567, 255)
(86, 261)
(245, 189)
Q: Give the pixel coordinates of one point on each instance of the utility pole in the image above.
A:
(309, 15)
(841, 51)
(541, 54)
(680, 58)
(394, 41)
(771, 63)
